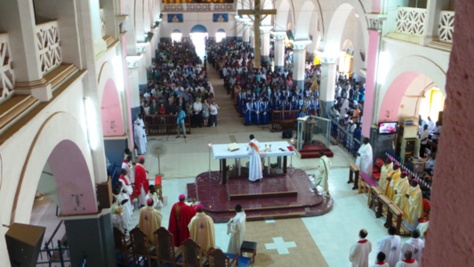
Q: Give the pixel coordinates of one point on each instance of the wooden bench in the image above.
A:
(365, 182)
(373, 198)
(396, 213)
(353, 175)
(384, 201)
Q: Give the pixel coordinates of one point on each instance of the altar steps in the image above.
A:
(276, 196)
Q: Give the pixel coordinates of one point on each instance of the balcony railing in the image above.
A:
(446, 26)
(7, 75)
(411, 20)
(102, 22)
(48, 45)
(197, 7)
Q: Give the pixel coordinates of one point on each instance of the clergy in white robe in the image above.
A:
(201, 229)
(150, 220)
(359, 255)
(380, 262)
(414, 244)
(236, 229)
(255, 162)
(139, 136)
(364, 160)
(408, 260)
(323, 173)
(390, 246)
(157, 204)
(125, 192)
(116, 211)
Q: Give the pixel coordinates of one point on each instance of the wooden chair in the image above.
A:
(141, 248)
(122, 246)
(191, 252)
(217, 258)
(166, 252)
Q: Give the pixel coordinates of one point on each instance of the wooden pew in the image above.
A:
(283, 119)
(353, 175)
(383, 202)
(373, 198)
(396, 213)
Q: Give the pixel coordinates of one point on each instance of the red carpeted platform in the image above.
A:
(313, 150)
(276, 196)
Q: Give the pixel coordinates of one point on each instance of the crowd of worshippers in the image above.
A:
(178, 79)
(259, 91)
(348, 107)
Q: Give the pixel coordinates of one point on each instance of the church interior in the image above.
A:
(80, 78)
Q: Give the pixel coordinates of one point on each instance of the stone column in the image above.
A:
(375, 31)
(434, 7)
(265, 44)
(279, 50)
(328, 85)
(246, 33)
(91, 236)
(299, 60)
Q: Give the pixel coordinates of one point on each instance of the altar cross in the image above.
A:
(257, 13)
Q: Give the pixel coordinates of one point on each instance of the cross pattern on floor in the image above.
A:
(280, 245)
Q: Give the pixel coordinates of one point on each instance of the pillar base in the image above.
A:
(325, 108)
(299, 84)
(91, 238)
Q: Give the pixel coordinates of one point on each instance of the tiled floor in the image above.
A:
(333, 233)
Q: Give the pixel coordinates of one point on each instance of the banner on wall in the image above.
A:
(220, 17)
(175, 18)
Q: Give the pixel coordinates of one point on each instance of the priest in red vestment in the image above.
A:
(181, 215)
(141, 181)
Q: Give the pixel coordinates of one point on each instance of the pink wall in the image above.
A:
(451, 237)
(375, 6)
(77, 194)
(112, 121)
(393, 98)
(370, 82)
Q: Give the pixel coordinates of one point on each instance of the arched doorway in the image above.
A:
(176, 36)
(220, 35)
(199, 36)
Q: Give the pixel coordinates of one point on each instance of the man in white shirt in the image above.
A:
(381, 260)
(197, 113)
(359, 255)
(424, 140)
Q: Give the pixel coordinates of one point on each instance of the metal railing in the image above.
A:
(344, 138)
(55, 256)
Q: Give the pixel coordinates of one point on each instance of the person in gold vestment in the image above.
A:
(150, 220)
(413, 208)
(392, 181)
(401, 189)
(386, 171)
(201, 229)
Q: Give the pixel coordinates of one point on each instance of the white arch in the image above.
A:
(281, 18)
(303, 20)
(392, 93)
(46, 139)
(332, 40)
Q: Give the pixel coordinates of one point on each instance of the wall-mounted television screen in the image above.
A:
(388, 127)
